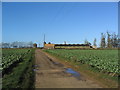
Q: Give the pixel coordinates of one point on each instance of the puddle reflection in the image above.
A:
(74, 73)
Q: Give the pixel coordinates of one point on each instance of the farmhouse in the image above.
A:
(66, 46)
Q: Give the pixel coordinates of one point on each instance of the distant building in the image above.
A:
(34, 45)
(95, 47)
(67, 46)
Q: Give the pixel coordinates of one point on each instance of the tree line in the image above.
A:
(108, 40)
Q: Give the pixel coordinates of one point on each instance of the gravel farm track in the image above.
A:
(50, 73)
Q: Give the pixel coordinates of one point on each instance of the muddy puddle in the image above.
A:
(56, 63)
(73, 73)
(35, 67)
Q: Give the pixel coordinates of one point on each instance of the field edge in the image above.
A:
(87, 72)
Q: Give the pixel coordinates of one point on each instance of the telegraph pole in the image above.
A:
(44, 37)
(44, 40)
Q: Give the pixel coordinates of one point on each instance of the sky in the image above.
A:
(72, 22)
(0, 22)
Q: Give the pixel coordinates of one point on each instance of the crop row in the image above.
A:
(11, 57)
(102, 60)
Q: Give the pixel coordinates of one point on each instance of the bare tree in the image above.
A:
(94, 42)
(103, 42)
(109, 40)
(87, 42)
(115, 40)
(112, 40)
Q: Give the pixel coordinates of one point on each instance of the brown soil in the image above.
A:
(50, 73)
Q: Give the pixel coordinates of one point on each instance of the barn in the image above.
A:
(66, 46)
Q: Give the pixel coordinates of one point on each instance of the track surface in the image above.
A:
(51, 74)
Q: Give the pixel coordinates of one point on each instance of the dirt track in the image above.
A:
(51, 74)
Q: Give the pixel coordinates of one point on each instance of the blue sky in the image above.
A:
(72, 22)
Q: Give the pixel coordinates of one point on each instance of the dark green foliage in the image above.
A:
(22, 75)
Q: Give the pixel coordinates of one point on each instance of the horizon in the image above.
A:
(62, 21)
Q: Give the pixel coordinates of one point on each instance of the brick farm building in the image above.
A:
(66, 46)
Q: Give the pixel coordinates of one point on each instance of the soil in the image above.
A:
(50, 73)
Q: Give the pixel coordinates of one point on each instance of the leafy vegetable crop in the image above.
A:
(12, 56)
(102, 60)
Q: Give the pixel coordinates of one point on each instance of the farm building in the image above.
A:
(67, 46)
(34, 45)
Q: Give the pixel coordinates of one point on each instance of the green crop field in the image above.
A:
(10, 57)
(17, 66)
(102, 60)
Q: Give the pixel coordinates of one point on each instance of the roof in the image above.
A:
(72, 45)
